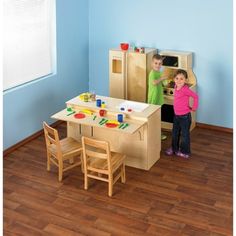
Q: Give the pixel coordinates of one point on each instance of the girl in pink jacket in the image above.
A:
(182, 118)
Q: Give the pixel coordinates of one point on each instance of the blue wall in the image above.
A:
(26, 107)
(203, 27)
(93, 27)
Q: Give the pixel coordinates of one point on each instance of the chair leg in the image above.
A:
(48, 162)
(60, 171)
(82, 163)
(123, 177)
(85, 180)
(110, 185)
(82, 167)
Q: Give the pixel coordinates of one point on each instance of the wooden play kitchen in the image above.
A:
(128, 76)
(132, 128)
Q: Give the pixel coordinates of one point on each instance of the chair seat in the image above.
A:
(116, 160)
(68, 146)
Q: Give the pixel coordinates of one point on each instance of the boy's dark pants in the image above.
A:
(181, 130)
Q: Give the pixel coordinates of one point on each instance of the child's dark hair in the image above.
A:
(157, 57)
(183, 72)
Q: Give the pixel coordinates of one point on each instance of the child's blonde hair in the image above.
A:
(157, 57)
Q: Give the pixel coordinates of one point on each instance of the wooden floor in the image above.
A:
(176, 197)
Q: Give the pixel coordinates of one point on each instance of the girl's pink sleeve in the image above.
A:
(194, 95)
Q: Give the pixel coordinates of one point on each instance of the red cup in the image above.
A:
(124, 46)
(102, 112)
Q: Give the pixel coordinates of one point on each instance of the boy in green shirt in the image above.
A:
(155, 89)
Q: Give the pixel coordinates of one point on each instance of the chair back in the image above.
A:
(52, 138)
(96, 149)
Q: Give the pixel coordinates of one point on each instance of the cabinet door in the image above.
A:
(117, 73)
(136, 77)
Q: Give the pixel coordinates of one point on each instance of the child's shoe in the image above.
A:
(180, 154)
(163, 137)
(169, 152)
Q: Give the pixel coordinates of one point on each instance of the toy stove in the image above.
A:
(172, 61)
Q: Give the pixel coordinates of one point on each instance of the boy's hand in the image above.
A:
(155, 82)
(164, 78)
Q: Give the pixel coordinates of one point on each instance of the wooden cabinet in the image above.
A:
(138, 68)
(128, 72)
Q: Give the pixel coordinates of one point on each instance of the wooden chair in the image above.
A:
(59, 151)
(102, 164)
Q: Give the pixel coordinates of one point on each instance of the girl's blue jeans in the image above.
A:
(181, 133)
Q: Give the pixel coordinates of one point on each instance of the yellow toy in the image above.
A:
(86, 97)
(87, 111)
(113, 122)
